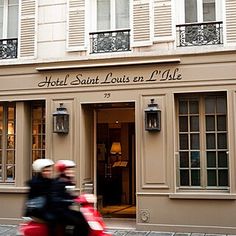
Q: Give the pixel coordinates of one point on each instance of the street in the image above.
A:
(11, 230)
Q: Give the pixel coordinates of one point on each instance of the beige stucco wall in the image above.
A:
(159, 204)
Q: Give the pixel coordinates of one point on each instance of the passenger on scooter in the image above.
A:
(40, 185)
(62, 199)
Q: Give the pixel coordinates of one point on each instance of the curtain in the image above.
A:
(103, 15)
(190, 11)
(12, 29)
(122, 14)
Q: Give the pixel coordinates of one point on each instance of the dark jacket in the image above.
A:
(39, 186)
(61, 198)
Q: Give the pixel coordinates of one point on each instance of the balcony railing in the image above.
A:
(199, 34)
(110, 41)
(8, 48)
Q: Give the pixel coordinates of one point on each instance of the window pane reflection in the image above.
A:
(222, 141)
(194, 123)
(7, 142)
(195, 159)
(210, 139)
(221, 105)
(221, 123)
(183, 124)
(223, 177)
(211, 159)
(222, 159)
(183, 141)
(210, 105)
(184, 160)
(211, 178)
(195, 177)
(194, 141)
(184, 178)
(210, 123)
(38, 130)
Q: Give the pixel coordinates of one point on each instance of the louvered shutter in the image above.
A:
(27, 39)
(162, 19)
(231, 21)
(141, 23)
(76, 25)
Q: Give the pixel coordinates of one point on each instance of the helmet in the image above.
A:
(61, 165)
(39, 164)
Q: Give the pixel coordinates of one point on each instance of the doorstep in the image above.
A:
(120, 223)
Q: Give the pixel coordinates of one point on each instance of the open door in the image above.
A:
(115, 159)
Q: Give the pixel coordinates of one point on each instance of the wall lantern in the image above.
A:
(152, 117)
(61, 120)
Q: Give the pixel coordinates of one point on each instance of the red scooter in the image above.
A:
(93, 217)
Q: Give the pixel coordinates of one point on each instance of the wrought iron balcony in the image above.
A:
(110, 41)
(8, 48)
(199, 34)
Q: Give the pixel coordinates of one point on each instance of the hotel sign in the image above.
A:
(110, 78)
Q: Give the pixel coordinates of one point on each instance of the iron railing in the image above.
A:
(199, 34)
(110, 41)
(8, 48)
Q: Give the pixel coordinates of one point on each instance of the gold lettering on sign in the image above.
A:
(111, 78)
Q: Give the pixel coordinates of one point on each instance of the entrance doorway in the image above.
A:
(115, 159)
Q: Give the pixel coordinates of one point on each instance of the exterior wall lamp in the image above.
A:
(152, 117)
(61, 120)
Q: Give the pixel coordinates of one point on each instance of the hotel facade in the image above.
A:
(156, 78)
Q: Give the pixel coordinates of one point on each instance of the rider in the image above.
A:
(62, 199)
(40, 185)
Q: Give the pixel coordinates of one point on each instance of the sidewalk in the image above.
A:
(11, 230)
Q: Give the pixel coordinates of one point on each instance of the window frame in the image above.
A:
(4, 142)
(39, 135)
(180, 11)
(93, 16)
(5, 20)
(202, 142)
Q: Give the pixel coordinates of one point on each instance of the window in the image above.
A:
(202, 138)
(112, 14)
(38, 130)
(199, 22)
(200, 11)
(8, 19)
(7, 142)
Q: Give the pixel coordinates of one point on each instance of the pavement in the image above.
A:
(11, 230)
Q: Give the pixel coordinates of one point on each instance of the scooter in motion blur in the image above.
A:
(94, 219)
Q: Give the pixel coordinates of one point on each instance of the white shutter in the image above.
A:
(76, 25)
(231, 21)
(27, 39)
(162, 19)
(141, 23)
